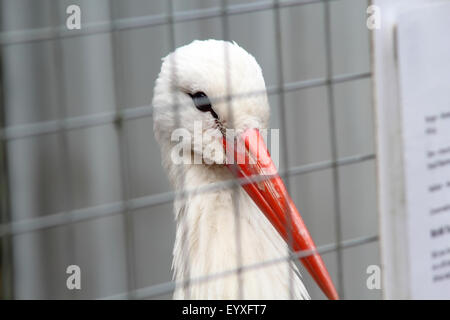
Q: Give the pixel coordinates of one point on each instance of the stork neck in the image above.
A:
(211, 237)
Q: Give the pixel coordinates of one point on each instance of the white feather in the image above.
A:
(206, 242)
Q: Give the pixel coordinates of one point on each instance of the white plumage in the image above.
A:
(205, 241)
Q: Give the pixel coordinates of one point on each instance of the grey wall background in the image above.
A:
(121, 252)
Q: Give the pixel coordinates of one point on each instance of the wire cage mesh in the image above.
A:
(82, 181)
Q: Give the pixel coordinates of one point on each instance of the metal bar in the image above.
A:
(49, 33)
(105, 118)
(167, 287)
(183, 221)
(6, 248)
(334, 146)
(235, 194)
(282, 113)
(63, 142)
(117, 68)
(57, 219)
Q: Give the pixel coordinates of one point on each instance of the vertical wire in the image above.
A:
(282, 113)
(180, 173)
(6, 262)
(236, 186)
(61, 96)
(334, 145)
(121, 128)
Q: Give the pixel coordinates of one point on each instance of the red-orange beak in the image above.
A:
(252, 162)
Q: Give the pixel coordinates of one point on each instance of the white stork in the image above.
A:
(190, 78)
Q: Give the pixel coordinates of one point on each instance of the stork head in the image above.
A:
(215, 83)
(221, 86)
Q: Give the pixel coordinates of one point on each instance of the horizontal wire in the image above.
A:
(73, 123)
(168, 287)
(109, 209)
(50, 33)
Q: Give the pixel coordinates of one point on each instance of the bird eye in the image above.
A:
(202, 103)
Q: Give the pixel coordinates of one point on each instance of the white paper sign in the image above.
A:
(423, 51)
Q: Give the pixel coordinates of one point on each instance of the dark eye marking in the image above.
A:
(202, 103)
